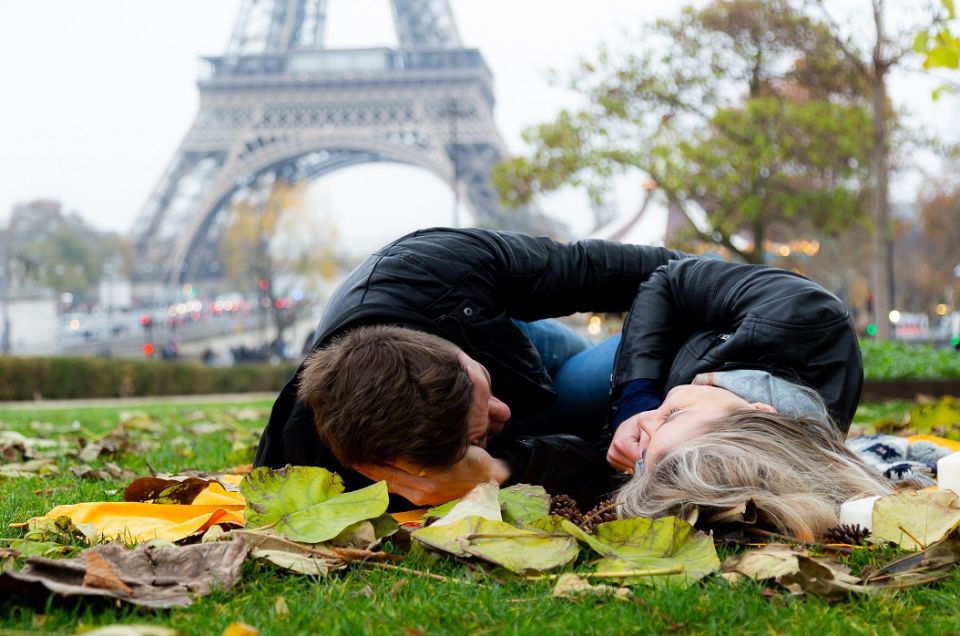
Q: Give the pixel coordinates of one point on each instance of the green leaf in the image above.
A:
(943, 57)
(640, 543)
(273, 494)
(305, 503)
(522, 504)
(516, 549)
(329, 518)
(915, 520)
(28, 548)
(440, 511)
(920, 42)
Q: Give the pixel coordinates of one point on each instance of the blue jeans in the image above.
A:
(580, 370)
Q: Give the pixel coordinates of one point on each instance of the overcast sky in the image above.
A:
(97, 94)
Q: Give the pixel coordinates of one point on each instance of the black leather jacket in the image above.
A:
(465, 286)
(700, 315)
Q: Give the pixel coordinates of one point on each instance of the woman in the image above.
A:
(761, 374)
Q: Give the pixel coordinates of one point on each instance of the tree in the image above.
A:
(739, 109)
(873, 64)
(51, 249)
(274, 246)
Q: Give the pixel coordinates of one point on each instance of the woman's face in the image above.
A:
(686, 413)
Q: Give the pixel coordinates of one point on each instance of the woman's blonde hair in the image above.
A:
(797, 472)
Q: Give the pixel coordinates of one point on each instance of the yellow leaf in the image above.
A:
(914, 520)
(240, 629)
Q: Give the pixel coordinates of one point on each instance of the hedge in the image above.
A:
(65, 378)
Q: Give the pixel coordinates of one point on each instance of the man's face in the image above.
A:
(487, 415)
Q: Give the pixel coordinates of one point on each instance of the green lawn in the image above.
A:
(364, 599)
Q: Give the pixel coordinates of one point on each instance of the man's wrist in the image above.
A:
(499, 471)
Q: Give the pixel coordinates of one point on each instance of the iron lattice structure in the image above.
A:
(279, 102)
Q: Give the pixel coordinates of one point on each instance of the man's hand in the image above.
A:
(433, 486)
(628, 444)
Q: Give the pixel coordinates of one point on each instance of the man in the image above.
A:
(425, 370)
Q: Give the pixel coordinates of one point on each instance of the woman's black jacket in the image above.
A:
(699, 315)
(466, 285)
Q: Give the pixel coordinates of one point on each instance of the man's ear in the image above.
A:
(763, 406)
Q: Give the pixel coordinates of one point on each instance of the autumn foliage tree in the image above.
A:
(275, 245)
(738, 109)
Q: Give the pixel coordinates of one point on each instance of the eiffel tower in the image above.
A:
(279, 102)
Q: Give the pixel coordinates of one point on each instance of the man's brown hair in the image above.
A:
(382, 393)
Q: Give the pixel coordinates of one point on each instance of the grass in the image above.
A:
(369, 600)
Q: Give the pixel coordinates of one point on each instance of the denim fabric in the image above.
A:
(580, 370)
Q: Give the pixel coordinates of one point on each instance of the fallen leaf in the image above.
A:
(522, 504)
(655, 544)
(290, 555)
(305, 503)
(914, 520)
(576, 587)
(247, 414)
(100, 574)
(162, 577)
(29, 548)
(280, 608)
(244, 454)
(940, 417)
(166, 491)
(769, 562)
(240, 629)
(138, 421)
(60, 529)
(823, 577)
(516, 549)
(482, 501)
(132, 630)
(109, 472)
(31, 468)
(932, 564)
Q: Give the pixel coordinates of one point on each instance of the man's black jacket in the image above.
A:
(700, 315)
(466, 286)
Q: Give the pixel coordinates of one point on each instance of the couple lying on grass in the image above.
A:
(438, 364)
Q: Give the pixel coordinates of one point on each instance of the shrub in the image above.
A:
(888, 360)
(66, 378)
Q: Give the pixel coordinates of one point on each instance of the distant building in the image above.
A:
(34, 322)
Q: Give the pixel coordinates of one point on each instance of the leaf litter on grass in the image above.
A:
(301, 521)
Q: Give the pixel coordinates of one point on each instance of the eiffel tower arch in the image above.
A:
(279, 102)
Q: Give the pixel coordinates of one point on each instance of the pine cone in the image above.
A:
(601, 513)
(846, 533)
(565, 507)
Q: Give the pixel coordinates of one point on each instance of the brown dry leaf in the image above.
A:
(109, 472)
(926, 566)
(31, 468)
(576, 587)
(769, 562)
(824, 578)
(100, 574)
(156, 577)
(166, 491)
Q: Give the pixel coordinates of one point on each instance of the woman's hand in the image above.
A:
(433, 486)
(628, 445)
